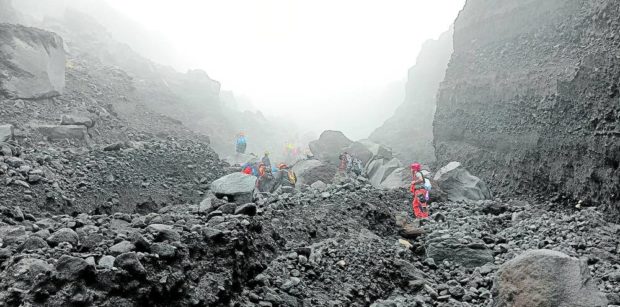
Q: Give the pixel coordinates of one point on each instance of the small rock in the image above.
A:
(164, 250)
(247, 209)
(107, 262)
(63, 235)
(71, 268)
(130, 263)
(122, 247)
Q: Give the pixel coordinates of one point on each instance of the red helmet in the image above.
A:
(416, 167)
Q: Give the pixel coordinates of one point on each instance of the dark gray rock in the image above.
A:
(13, 234)
(329, 146)
(72, 268)
(164, 250)
(311, 171)
(130, 263)
(33, 243)
(238, 187)
(163, 232)
(26, 271)
(360, 151)
(228, 208)
(459, 184)
(122, 247)
(63, 235)
(545, 277)
(442, 248)
(213, 234)
(247, 209)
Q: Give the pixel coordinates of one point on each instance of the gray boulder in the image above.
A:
(33, 243)
(399, 178)
(78, 120)
(545, 278)
(54, 132)
(445, 247)
(32, 64)
(12, 234)
(107, 262)
(63, 235)
(72, 268)
(6, 133)
(311, 171)
(27, 270)
(164, 250)
(329, 146)
(238, 187)
(459, 184)
(378, 151)
(360, 151)
(122, 247)
(380, 172)
(130, 263)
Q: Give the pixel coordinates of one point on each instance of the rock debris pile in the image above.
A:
(334, 246)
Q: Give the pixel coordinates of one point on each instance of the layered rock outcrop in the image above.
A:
(32, 63)
(410, 131)
(530, 101)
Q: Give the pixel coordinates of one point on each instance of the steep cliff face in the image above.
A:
(409, 132)
(531, 97)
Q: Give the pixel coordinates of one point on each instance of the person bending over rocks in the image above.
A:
(418, 189)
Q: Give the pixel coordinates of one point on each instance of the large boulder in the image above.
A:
(360, 151)
(459, 184)
(329, 146)
(54, 132)
(6, 132)
(76, 119)
(32, 63)
(311, 171)
(399, 178)
(380, 173)
(238, 187)
(378, 151)
(545, 278)
(443, 246)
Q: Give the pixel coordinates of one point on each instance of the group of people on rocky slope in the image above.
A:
(350, 164)
(269, 175)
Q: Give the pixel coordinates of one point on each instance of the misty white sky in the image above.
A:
(311, 59)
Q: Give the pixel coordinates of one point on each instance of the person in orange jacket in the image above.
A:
(420, 208)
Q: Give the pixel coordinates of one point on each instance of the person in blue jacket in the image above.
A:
(242, 143)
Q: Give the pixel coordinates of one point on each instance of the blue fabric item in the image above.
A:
(241, 140)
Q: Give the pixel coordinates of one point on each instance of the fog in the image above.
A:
(322, 63)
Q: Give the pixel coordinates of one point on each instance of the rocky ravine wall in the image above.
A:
(531, 97)
(409, 132)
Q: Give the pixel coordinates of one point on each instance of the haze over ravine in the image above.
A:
(324, 64)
